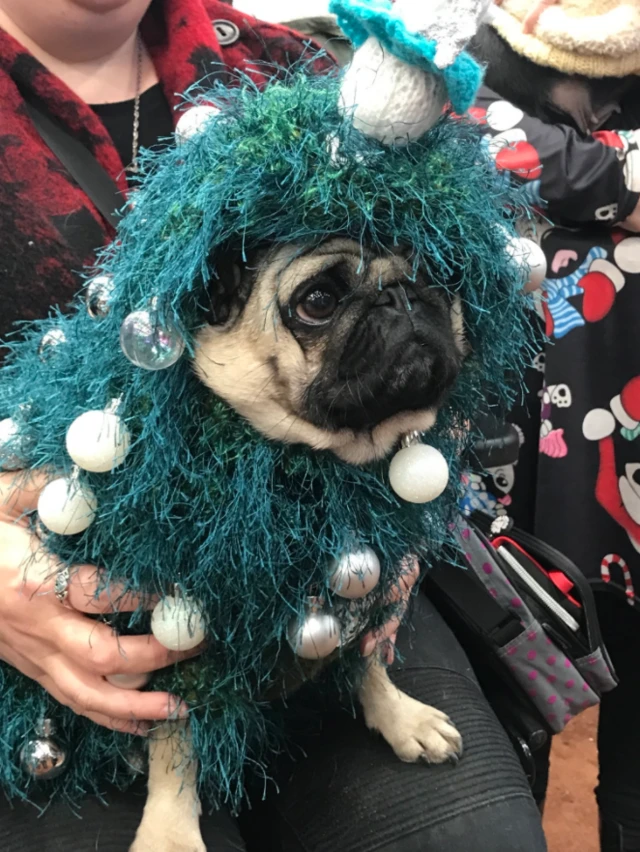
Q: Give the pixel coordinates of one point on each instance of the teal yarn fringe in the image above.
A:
(244, 525)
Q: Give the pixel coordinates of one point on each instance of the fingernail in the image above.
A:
(369, 647)
(142, 729)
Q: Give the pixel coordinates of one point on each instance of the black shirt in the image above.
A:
(156, 121)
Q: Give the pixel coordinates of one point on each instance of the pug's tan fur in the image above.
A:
(257, 366)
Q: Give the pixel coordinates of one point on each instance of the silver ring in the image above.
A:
(61, 586)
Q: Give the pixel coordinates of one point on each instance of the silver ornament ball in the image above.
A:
(316, 634)
(9, 445)
(50, 342)
(531, 257)
(97, 296)
(355, 574)
(136, 762)
(148, 343)
(41, 756)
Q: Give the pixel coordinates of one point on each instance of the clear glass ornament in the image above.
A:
(97, 295)
(354, 575)
(148, 343)
(41, 756)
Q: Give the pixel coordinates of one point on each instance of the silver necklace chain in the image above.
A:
(133, 168)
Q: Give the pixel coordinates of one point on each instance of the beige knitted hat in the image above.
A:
(595, 38)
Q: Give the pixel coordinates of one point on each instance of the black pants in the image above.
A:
(618, 790)
(350, 794)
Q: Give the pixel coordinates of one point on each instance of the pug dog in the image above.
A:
(341, 349)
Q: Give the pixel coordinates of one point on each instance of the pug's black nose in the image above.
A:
(399, 295)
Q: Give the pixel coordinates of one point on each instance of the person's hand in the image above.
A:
(385, 637)
(56, 645)
(632, 222)
(531, 21)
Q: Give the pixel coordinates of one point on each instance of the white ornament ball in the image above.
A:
(129, 681)
(66, 507)
(418, 473)
(355, 574)
(194, 121)
(315, 636)
(98, 441)
(529, 254)
(9, 460)
(178, 623)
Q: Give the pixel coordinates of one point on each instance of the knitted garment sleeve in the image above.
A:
(573, 179)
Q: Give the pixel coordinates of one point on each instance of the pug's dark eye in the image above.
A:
(317, 305)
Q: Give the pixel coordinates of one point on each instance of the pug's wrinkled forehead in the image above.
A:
(332, 345)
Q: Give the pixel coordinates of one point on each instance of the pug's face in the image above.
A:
(331, 346)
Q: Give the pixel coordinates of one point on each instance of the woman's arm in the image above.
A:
(574, 179)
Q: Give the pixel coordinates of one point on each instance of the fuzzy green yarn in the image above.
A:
(244, 525)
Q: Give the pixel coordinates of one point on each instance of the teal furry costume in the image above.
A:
(245, 526)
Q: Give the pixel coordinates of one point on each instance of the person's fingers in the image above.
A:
(82, 588)
(86, 693)
(531, 21)
(20, 490)
(123, 726)
(96, 648)
(398, 594)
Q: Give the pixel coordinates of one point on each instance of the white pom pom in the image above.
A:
(356, 574)
(598, 424)
(98, 441)
(129, 681)
(9, 460)
(388, 99)
(178, 623)
(419, 473)
(194, 121)
(529, 254)
(67, 507)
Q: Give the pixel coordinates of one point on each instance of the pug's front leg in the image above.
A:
(171, 818)
(414, 730)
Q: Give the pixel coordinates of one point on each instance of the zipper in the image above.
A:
(536, 589)
(553, 557)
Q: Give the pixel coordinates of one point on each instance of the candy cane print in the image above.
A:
(605, 572)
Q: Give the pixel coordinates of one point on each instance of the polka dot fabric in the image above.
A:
(559, 687)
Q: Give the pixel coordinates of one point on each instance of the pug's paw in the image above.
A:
(158, 832)
(417, 732)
